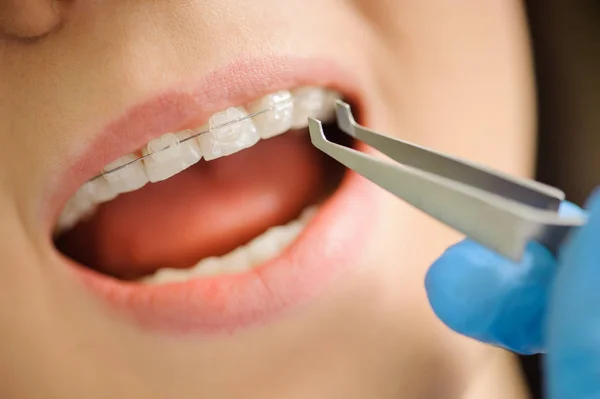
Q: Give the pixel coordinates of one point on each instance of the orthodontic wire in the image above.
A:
(197, 134)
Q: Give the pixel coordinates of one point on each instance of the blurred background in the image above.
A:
(566, 43)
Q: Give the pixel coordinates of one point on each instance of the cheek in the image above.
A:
(460, 81)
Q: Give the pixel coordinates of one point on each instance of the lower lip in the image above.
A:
(330, 245)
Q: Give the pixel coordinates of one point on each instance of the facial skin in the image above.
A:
(455, 77)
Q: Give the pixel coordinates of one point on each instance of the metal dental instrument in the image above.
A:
(499, 211)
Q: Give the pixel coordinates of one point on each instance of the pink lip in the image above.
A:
(328, 246)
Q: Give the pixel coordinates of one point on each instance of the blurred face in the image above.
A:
(169, 231)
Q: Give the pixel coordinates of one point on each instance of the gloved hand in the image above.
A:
(542, 305)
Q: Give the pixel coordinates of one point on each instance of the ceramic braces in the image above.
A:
(195, 134)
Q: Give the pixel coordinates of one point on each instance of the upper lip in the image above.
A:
(188, 104)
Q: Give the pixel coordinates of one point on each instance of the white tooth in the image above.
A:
(262, 248)
(277, 120)
(128, 178)
(277, 234)
(79, 207)
(67, 220)
(229, 139)
(99, 190)
(313, 102)
(280, 235)
(327, 113)
(235, 262)
(207, 267)
(164, 149)
(292, 231)
(169, 156)
(308, 213)
(164, 276)
(189, 140)
(84, 203)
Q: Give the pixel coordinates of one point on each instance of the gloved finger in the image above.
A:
(489, 298)
(485, 296)
(574, 314)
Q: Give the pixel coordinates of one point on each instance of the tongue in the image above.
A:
(207, 210)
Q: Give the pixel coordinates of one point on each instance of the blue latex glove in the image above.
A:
(542, 305)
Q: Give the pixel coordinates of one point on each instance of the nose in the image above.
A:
(30, 19)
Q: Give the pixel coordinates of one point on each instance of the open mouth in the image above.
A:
(227, 223)
(221, 198)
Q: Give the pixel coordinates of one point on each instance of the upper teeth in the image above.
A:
(230, 131)
(226, 139)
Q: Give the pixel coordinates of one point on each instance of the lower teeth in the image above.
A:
(261, 249)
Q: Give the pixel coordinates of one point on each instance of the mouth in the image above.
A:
(222, 224)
